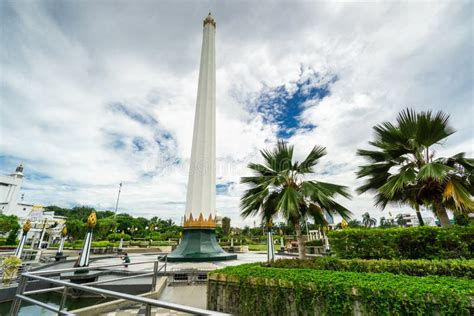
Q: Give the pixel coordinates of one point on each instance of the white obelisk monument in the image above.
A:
(199, 242)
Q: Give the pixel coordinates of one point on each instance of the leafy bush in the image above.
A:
(315, 243)
(419, 267)
(103, 244)
(265, 291)
(9, 266)
(117, 236)
(404, 243)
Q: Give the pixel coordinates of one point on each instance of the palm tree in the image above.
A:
(354, 223)
(368, 221)
(280, 186)
(402, 168)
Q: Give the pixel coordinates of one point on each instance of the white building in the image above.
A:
(412, 220)
(10, 186)
(9, 190)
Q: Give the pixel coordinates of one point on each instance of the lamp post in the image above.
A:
(86, 248)
(231, 249)
(120, 247)
(270, 245)
(43, 231)
(282, 242)
(26, 229)
(118, 197)
(63, 238)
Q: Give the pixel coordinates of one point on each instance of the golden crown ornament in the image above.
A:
(92, 220)
(27, 226)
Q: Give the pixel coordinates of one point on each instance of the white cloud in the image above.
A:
(63, 65)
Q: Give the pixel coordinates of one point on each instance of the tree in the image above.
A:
(105, 226)
(9, 223)
(402, 222)
(354, 223)
(402, 167)
(280, 186)
(76, 228)
(368, 221)
(386, 223)
(226, 225)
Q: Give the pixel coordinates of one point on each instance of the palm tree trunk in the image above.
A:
(441, 213)
(299, 238)
(418, 214)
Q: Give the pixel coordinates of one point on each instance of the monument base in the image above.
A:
(199, 245)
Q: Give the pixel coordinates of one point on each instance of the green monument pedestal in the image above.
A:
(199, 245)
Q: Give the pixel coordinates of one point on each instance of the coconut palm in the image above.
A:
(403, 169)
(368, 221)
(280, 186)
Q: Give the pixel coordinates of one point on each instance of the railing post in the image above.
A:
(155, 274)
(148, 310)
(63, 299)
(19, 290)
(166, 261)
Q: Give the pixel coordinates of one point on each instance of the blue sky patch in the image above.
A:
(223, 188)
(283, 105)
(132, 113)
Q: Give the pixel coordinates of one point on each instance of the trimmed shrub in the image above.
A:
(257, 290)
(117, 236)
(403, 243)
(419, 267)
(315, 243)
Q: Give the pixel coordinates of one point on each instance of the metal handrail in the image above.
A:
(44, 305)
(21, 294)
(103, 281)
(94, 267)
(138, 299)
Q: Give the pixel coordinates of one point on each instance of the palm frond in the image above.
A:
(434, 170)
(397, 182)
(289, 203)
(432, 129)
(456, 192)
(306, 166)
(317, 214)
(280, 158)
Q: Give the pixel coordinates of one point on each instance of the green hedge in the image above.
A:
(417, 267)
(265, 291)
(403, 243)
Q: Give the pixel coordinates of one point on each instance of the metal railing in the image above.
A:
(65, 286)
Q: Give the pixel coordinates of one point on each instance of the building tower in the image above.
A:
(9, 190)
(199, 241)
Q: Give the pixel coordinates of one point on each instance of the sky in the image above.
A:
(95, 93)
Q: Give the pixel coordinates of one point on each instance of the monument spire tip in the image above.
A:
(209, 20)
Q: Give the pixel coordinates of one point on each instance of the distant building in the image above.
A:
(412, 220)
(40, 218)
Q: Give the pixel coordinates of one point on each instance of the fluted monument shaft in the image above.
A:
(201, 194)
(199, 242)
